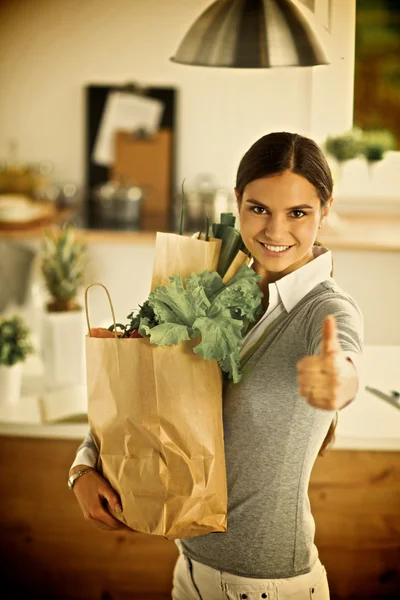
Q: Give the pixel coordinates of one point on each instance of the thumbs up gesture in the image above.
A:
(328, 381)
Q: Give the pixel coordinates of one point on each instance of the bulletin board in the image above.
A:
(152, 160)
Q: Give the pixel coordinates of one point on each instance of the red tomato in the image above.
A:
(135, 334)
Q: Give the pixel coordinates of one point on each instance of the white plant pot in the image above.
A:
(63, 348)
(10, 384)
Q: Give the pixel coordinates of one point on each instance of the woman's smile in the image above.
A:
(275, 250)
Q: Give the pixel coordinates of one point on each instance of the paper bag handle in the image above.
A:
(111, 306)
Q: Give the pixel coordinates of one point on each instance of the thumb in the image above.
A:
(112, 498)
(330, 341)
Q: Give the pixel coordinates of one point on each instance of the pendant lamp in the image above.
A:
(253, 34)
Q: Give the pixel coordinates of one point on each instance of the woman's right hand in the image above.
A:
(93, 492)
(94, 495)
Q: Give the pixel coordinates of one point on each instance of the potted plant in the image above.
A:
(344, 147)
(14, 348)
(374, 145)
(63, 260)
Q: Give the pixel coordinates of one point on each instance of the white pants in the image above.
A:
(195, 581)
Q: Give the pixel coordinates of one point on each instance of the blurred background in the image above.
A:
(98, 130)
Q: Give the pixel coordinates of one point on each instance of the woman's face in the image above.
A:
(279, 219)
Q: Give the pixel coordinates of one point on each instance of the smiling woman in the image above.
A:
(300, 357)
(282, 202)
(272, 436)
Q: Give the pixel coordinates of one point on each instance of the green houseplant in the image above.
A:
(15, 347)
(63, 261)
(345, 146)
(374, 145)
(63, 264)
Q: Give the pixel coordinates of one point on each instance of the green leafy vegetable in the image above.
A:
(206, 308)
(209, 281)
(220, 335)
(168, 299)
(166, 333)
(145, 312)
(240, 296)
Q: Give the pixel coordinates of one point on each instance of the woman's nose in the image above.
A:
(275, 229)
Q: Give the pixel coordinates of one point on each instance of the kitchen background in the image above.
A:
(59, 59)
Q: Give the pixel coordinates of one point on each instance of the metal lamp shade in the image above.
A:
(253, 34)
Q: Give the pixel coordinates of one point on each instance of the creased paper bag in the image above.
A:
(156, 417)
(180, 255)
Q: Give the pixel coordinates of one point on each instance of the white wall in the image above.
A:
(50, 49)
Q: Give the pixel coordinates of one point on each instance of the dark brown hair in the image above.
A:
(278, 152)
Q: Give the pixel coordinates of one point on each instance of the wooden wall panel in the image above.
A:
(355, 497)
(48, 551)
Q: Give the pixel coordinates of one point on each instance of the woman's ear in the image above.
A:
(326, 209)
(238, 198)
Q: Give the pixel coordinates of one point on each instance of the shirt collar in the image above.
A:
(295, 286)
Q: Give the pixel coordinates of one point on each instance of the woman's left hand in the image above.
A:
(328, 381)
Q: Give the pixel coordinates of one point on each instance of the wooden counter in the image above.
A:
(48, 550)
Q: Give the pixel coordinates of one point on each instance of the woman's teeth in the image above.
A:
(275, 248)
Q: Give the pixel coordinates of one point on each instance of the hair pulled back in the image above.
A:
(281, 151)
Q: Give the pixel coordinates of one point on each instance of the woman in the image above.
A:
(298, 369)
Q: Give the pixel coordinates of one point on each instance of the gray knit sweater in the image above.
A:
(272, 438)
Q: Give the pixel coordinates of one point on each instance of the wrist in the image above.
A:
(79, 468)
(73, 478)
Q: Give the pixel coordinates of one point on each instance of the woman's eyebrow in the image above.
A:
(257, 203)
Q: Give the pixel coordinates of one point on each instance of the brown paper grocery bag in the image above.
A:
(156, 417)
(180, 255)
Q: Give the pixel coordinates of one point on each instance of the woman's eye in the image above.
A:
(258, 210)
(298, 213)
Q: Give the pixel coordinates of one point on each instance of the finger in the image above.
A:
(116, 527)
(111, 497)
(318, 381)
(330, 341)
(101, 332)
(315, 363)
(321, 402)
(102, 515)
(307, 362)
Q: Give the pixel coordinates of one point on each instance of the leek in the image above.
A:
(231, 241)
